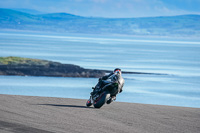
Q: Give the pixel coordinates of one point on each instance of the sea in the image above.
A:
(173, 65)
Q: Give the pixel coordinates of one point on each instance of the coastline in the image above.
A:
(48, 114)
(34, 67)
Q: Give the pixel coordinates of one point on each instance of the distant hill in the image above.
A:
(184, 25)
(30, 11)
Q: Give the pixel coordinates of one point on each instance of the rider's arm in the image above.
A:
(106, 77)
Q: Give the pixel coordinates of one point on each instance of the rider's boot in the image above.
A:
(113, 98)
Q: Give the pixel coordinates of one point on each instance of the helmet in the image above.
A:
(117, 71)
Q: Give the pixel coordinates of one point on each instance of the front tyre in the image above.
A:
(102, 100)
(88, 103)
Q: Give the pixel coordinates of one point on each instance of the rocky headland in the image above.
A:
(35, 67)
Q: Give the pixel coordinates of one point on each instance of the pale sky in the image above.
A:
(109, 8)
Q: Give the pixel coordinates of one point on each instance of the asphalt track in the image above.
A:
(22, 114)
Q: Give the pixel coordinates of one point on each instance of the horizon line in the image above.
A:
(15, 9)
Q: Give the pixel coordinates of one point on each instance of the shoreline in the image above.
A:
(51, 114)
(20, 66)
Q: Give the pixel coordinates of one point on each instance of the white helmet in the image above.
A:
(117, 71)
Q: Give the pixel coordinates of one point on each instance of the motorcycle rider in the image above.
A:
(113, 78)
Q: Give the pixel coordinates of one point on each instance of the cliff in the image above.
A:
(34, 67)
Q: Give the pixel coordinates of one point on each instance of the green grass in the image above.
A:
(21, 61)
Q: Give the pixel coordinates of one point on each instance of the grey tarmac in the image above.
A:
(32, 114)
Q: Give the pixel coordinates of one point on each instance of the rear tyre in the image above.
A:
(102, 100)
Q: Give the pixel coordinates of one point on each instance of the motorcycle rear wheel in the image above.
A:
(102, 100)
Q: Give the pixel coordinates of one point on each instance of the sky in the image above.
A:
(109, 8)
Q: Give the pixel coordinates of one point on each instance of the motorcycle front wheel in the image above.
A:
(88, 103)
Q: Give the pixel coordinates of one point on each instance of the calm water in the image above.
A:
(178, 59)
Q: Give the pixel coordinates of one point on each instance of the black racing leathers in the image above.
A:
(113, 79)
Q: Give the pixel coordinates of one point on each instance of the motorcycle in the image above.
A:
(100, 96)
